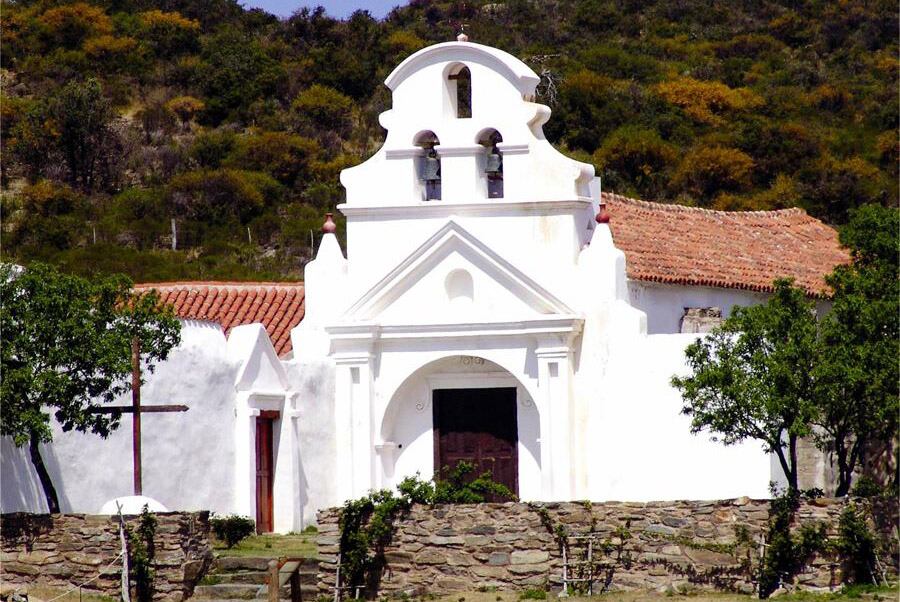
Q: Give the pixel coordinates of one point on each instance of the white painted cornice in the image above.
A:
(476, 208)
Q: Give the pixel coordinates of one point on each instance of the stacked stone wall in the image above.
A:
(665, 546)
(66, 550)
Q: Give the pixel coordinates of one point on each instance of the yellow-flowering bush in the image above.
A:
(707, 101)
(704, 172)
(71, 24)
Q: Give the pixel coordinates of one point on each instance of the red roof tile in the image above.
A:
(278, 306)
(673, 244)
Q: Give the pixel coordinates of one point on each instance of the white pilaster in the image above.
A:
(353, 415)
(555, 374)
(244, 456)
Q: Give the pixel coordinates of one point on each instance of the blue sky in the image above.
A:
(335, 8)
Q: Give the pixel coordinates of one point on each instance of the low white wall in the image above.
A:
(641, 448)
(187, 457)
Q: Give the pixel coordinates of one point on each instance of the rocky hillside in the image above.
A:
(177, 139)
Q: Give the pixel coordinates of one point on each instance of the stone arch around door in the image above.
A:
(407, 425)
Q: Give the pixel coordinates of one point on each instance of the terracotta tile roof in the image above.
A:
(673, 244)
(278, 306)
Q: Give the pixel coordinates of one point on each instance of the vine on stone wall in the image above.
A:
(141, 553)
(608, 553)
(787, 550)
(367, 523)
(857, 547)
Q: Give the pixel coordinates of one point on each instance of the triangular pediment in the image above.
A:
(454, 277)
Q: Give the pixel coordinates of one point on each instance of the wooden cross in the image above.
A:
(136, 409)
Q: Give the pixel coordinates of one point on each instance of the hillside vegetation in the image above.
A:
(124, 121)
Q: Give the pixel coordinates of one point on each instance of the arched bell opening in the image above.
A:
(491, 165)
(459, 91)
(428, 165)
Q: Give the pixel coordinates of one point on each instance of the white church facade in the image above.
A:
(492, 306)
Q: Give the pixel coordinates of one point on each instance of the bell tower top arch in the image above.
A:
(465, 142)
(457, 91)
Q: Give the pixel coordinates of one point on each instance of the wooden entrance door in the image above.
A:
(265, 471)
(478, 426)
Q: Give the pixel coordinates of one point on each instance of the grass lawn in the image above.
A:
(301, 545)
(873, 594)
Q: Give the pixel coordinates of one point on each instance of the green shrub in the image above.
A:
(866, 486)
(232, 529)
(533, 594)
(856, 545)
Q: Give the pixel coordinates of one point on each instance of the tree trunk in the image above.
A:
(43, 475)
(792, 451)
(785, 467)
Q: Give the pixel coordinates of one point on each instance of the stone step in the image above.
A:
(307, 593)
(257, 577)
(257, 563)
(241, 563)
(228, 591)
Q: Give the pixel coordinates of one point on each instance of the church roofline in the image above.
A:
(513, 68)
(278, 306)
(746, 250)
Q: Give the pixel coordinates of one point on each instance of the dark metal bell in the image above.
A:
(431, 170)
(494, 164)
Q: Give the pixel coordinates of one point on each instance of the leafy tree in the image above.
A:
(69, 25)
(859, 397)
(706, 171)
(237, 71)
(211, 147)
(833, 187)
(169, 33)
(636, 156)
(286, 157)
(321, 108)
(752, 378)
(707, 102)
(67, 350)
(113, 53)
(222, 196)
(186, 107)
(44, 216)
(85, 137)
(33, 141)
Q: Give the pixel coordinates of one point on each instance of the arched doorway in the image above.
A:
(463, 408)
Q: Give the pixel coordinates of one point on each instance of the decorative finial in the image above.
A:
(329, 227)
(602, 215)
(462, 37)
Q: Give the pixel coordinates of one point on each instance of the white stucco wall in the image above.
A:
(187, 457)
(642, 448)
(315, 459)
(665, 304)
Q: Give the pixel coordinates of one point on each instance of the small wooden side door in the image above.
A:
(265, 471)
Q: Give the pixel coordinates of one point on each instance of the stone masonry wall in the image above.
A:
(666, 546)
(65, 550)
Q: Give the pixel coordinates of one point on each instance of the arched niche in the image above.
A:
(460, 288)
